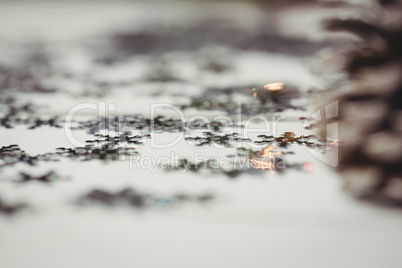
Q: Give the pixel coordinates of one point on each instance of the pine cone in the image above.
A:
(370, 105)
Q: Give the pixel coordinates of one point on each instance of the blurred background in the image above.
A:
(63, 204)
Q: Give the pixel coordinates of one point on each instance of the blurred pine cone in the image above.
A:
(370, 104)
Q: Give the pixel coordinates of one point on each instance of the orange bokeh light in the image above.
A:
(274, 86)
(266, 161)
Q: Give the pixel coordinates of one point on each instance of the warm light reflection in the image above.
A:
(267, 159)
(308, 167)
(274, 86)
(255, 94)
